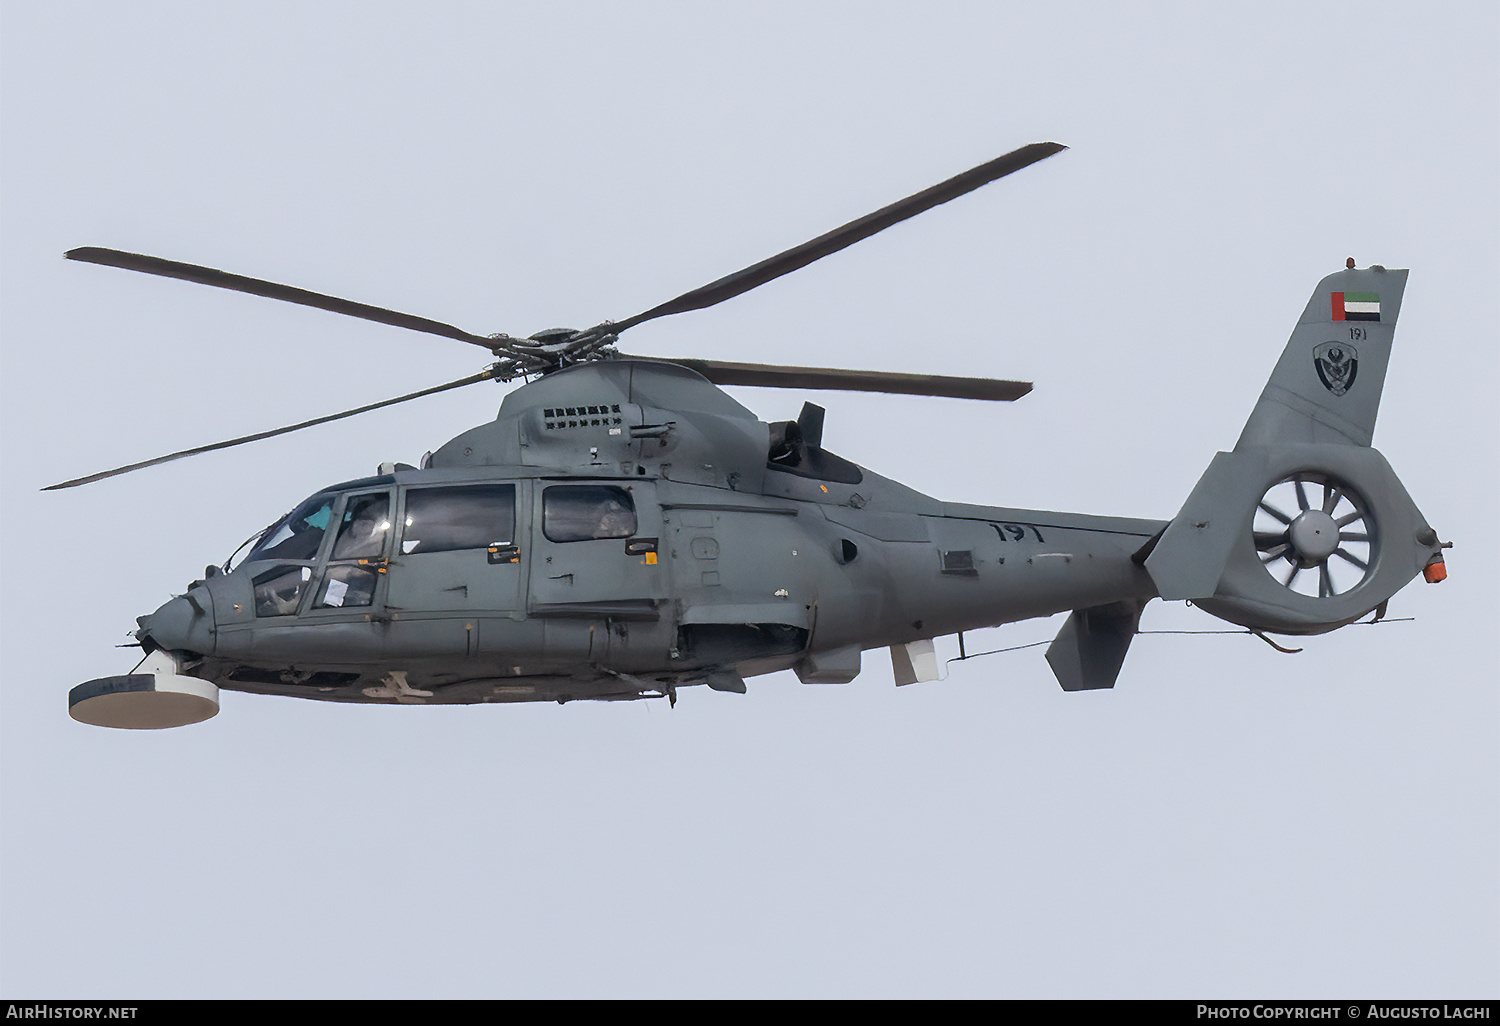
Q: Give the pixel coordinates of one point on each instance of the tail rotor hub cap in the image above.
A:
(1314, 536)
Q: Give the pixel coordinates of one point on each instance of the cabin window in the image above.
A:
(587, 512)
(278, 592)
(460, 517)
(364, 527)
(298, 534)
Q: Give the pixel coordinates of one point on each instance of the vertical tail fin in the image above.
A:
(1326, 387)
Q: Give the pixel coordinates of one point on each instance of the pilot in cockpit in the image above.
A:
(364, 537)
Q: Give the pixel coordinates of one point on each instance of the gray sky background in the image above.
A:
(1229, 821)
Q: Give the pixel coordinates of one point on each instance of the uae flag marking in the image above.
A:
(1355, 306)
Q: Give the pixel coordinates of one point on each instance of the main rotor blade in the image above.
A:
(271, 290)
(800, 256)
(471, 379)
(838, 380)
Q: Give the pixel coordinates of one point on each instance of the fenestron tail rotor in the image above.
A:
(547, 351)
(1314, 535)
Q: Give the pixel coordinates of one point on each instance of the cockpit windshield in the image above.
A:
(298, 534)
(234, 557)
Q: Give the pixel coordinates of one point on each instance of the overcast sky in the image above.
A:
(1228, 821)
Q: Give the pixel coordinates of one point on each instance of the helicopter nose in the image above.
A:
(185, 623)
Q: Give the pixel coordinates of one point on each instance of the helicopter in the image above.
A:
(624, 528)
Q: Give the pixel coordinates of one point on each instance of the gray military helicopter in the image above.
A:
(624, 528)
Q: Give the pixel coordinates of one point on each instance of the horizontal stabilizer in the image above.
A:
(1188, 561)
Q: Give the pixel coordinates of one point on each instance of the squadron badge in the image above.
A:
(1336, 364)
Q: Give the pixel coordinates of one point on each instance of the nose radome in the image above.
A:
(185, 623)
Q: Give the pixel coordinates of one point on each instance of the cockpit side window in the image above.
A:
(587, 513)
(346, 585)
(458, 517)
(278, 592)
(358, 556)
(298, 534)
(364, 527)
